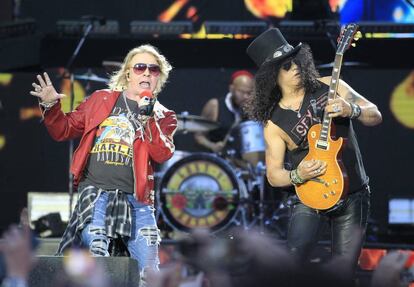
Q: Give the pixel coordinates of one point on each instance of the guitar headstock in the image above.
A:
(348, 34)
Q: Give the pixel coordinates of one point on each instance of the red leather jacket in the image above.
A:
(157, 144)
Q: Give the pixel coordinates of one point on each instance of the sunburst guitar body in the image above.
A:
(327, 191)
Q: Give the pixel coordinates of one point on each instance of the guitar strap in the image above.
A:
(315, 109)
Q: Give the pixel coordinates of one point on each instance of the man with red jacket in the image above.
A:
(123, 130)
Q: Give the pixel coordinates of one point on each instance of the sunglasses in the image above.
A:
(287, 65)
(141, 68)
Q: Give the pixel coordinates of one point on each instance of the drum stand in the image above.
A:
(259, 174)
(266, 222)
(277, 215)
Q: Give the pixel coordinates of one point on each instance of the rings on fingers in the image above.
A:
(336, 109)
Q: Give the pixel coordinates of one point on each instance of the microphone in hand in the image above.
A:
(146, 104)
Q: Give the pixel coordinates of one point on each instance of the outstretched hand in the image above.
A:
(45, 90)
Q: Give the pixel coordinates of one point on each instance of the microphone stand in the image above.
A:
(68, 71)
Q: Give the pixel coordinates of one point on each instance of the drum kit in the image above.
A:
(218, 190)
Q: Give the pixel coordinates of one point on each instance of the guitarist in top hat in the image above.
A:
(290, 98)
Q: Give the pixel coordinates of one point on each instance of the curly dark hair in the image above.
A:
(261, 105)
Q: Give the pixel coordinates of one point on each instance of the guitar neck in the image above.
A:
(333, 87)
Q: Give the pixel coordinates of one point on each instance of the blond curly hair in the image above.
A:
(118, 80)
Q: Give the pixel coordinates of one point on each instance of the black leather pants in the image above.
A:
(306, 225)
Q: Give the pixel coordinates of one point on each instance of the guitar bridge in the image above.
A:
(319, 180)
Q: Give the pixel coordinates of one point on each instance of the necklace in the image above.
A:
(136, 123)
(298, 114)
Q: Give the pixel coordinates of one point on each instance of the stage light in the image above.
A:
(325, 27)
(233, 28)
(401, 210)
(77, 27)
(309, 28)
(17, 28)
(385, 27)
(155, 28)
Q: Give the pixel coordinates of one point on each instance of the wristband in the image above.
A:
(48, 105)
(355, 111)
(295, 179)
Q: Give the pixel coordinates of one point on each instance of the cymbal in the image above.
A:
(111, 66)
(192, 123)
(344, 64)
(92, 77)
(110, 63)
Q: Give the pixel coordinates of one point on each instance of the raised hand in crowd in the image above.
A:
(82, 270)
(389, 271)
(17, 250)
(168, 276)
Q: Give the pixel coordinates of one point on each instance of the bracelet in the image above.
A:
(295, 179)
(48, 105)
(355, 111)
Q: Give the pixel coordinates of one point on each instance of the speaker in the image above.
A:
(122, 271)
(47, 246)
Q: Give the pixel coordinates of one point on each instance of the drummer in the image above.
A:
(225, 110)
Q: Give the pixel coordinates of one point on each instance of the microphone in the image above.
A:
(149, 100)
(93, 18)
(146, 93)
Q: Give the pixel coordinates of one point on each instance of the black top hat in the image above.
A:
(270, 46)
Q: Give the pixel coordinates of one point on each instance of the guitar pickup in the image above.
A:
(322, 145)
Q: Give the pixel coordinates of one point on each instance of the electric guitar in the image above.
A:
(328, 190)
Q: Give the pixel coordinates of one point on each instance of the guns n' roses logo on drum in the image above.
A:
(199, 191)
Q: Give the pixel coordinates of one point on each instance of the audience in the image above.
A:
(249, 259)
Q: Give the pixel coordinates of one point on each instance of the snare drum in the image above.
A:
(200, 191)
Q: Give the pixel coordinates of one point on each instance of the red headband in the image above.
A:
(240, 73)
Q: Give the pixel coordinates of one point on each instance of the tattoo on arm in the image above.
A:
(351, 97)
(369, 112)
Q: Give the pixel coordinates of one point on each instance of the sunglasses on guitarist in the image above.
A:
(287, 65)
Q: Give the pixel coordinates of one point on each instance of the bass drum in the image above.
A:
(162, 168)
(200, 191)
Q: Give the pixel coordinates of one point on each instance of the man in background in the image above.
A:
(227, 111)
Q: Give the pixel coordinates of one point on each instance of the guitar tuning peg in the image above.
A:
(353, 44)
(358, 35)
